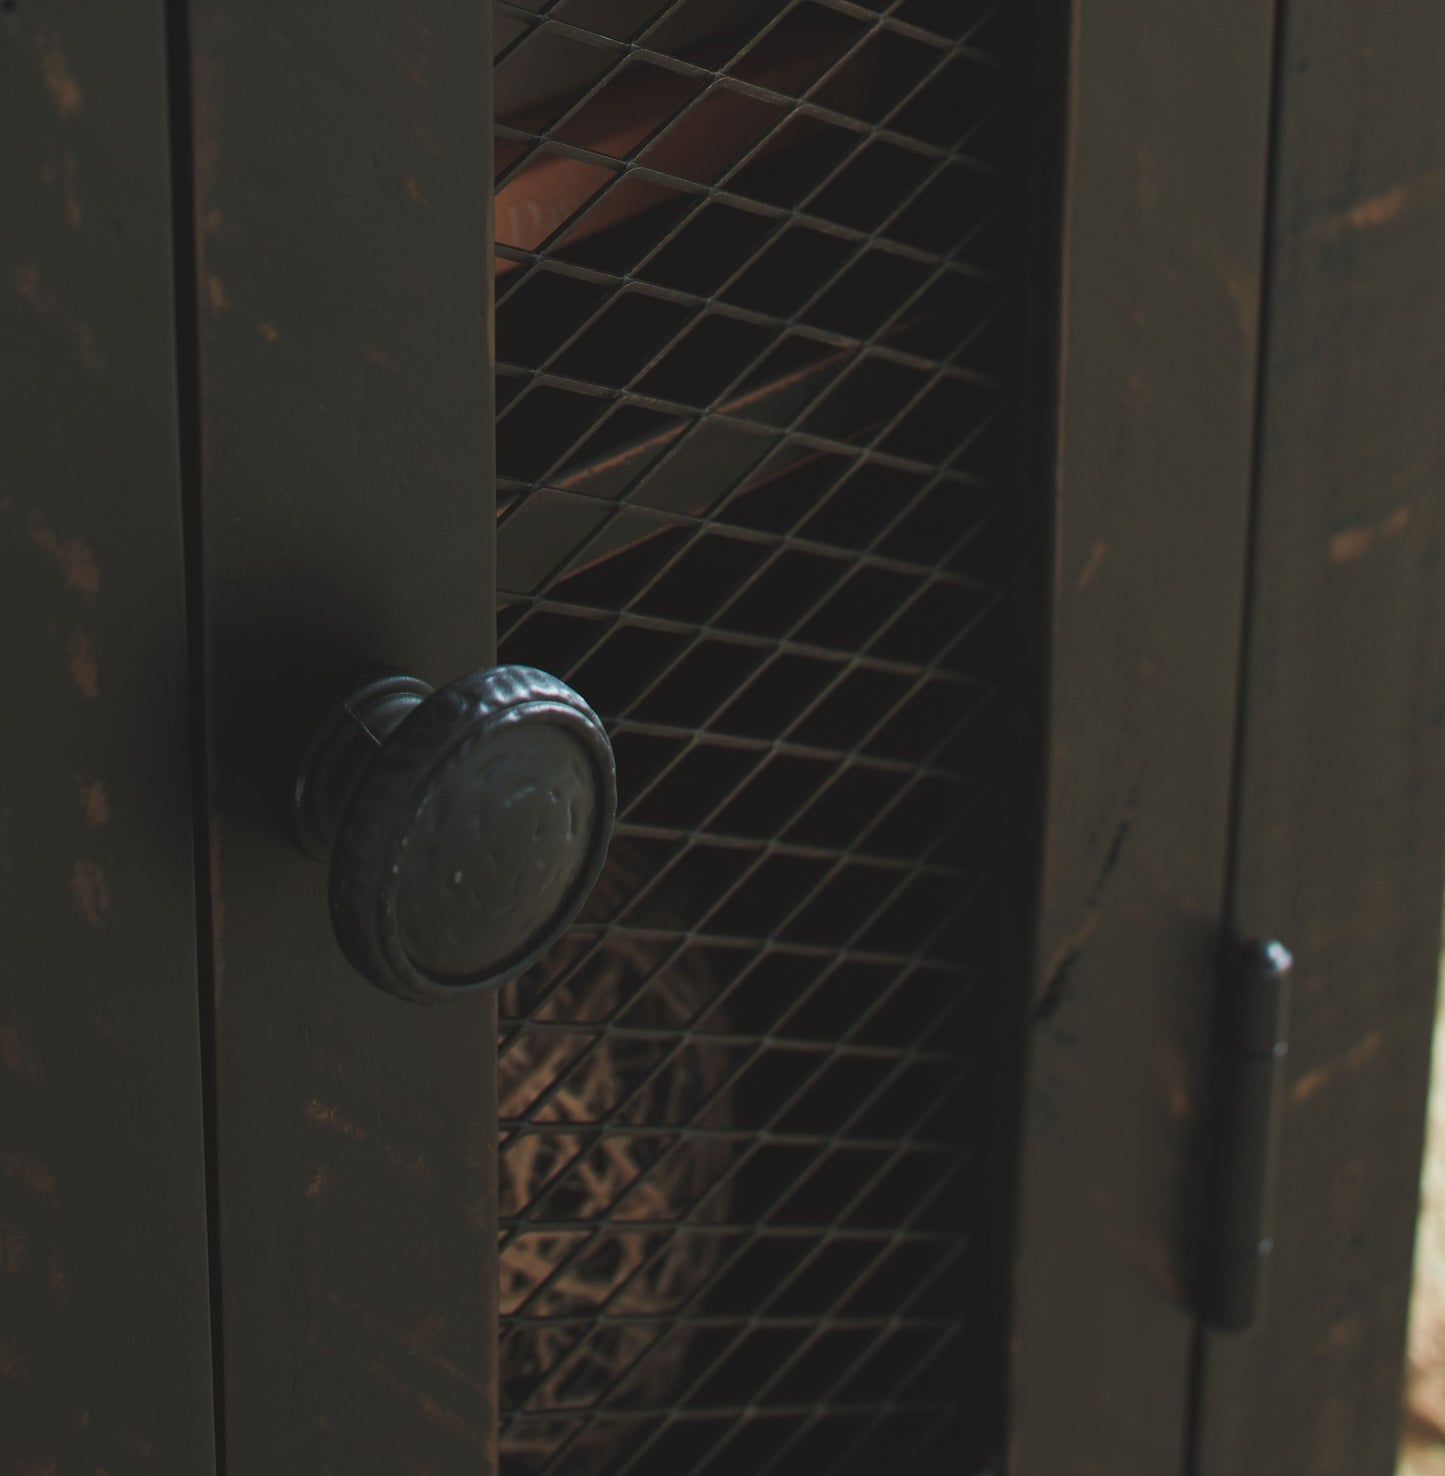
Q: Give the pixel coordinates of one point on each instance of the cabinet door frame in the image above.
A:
(343, 510)
(1244, 661)
(105, 1339)
(1299, 588)
(1149, 460)
(1339, 844)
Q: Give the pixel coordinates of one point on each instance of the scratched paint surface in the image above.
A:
(104, 1336)
(1341, 790)
(343, 318)
(1159, 306)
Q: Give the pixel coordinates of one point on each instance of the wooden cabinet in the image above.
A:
(980, 461)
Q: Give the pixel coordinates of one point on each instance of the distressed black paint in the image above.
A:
(1341, 813)
(104, 1339)
(342, 214)
(1167, 139)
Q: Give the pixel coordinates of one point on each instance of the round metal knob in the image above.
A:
(464, 827)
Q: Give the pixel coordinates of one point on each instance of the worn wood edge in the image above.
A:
(346, 426)
(1342, 788)
(104, 1338)
(1160, 299)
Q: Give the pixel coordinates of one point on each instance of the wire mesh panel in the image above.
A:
(754, 267)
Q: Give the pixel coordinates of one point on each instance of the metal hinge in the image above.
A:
(1250, 1046)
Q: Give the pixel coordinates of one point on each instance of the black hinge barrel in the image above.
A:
(1250, 1045)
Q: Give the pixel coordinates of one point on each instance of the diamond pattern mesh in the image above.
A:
(753, 279)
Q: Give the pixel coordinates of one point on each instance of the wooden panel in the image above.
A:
(1168, 140)
(1342, 795)
(342, 197)
(104, 1335)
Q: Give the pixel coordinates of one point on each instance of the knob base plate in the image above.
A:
(340, 751)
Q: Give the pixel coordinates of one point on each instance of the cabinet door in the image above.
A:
(1161, 233)
(1341, 784)
(339, 437)
(918, 596)
(105, 1347)
(1245, 726)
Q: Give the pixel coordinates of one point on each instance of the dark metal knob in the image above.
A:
(465, 826)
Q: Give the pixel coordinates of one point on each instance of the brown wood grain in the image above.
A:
(105, 1351)
(342, 208)
(1168, 134)
(1341, 829)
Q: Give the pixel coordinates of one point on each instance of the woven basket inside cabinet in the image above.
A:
(553, 1098)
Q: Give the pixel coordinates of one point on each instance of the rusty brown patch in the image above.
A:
(323, 1114)
(90, 892)
(84, 663)
(1132, 1244)
(431, 1410)
(269, 332)
(29, 1171)
(1378, 210)
(137, 1445)
(14, 1249)
(74, 558)
(14, 1365)
(58, 1281)
(45, 1467)
(1138, 397)
(1241, 287)
(61, 169)
(94, 802)
(59, 81)
(216, 293)
(31, 289)
(1383, 208)
(1358, 1055)
(411, 1166)
(1353, 543)
(17, 1059)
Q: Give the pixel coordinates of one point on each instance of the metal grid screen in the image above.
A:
(753, 271)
